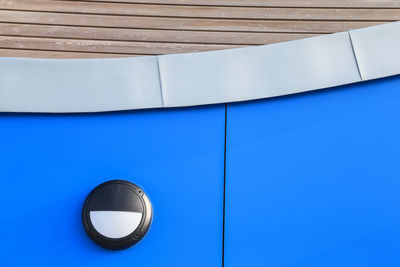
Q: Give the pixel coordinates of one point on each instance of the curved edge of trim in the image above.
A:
(192, 79)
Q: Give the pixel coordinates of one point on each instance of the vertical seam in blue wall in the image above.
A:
(223, 203)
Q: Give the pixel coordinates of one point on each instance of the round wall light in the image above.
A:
(117, 214)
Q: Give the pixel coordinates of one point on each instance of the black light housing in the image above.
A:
(117, 214)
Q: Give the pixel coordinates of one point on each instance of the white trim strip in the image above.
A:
(78, 85)
(258, 72)
(95, 85)
(378, 50)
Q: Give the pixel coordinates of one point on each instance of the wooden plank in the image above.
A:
(103, 28)
(181, 23)
(91, 33)
(204, 11)
(116, 47)
(5, 52)
(272, 3)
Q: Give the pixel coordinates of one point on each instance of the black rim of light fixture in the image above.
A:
(132, 238)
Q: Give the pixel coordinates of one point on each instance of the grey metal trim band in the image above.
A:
(78, 85)
(96, 85)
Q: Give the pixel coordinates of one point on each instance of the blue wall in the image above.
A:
(311, 180)
(314, 179)
(49, 163)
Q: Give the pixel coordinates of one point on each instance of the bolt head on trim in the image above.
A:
(117, 214)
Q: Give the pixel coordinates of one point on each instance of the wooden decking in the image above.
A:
(81, 29)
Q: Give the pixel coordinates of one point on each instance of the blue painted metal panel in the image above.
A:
(49, 163)
(314, 179)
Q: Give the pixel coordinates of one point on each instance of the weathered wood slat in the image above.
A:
(272, 3)
(117, 47)
(181, 23)
(106, 28)
(5, 52)
(203, 11)
(147, 35)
